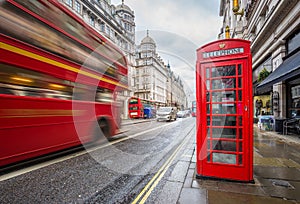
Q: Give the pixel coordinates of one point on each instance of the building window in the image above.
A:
(102, 27)
(77, 7)
(69, 3)
(108, 30)
(293, 42)
(92, 21)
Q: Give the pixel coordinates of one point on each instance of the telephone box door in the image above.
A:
(224, 140)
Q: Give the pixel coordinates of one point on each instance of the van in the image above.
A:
(166, 113)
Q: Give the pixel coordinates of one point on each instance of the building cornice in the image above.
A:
(110, 20)
(272, 24)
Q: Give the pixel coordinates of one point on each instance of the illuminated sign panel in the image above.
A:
(218, 53)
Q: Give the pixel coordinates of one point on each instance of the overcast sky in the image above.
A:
(178, 27)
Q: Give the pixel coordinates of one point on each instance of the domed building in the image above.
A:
(148, 43)
(125, 16)
(153, 79)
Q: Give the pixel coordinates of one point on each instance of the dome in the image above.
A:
(123, 7)
(148, 39)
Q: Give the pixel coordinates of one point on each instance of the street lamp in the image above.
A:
(236, 7)
(227, 32)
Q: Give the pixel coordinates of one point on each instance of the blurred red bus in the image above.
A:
(136, 108)
(58, 80)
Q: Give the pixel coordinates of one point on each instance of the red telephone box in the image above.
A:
(224, 104)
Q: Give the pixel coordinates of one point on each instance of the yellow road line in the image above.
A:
(157, 177)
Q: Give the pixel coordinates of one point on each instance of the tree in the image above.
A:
(264, 73)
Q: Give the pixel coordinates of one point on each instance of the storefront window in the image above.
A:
(295, 109)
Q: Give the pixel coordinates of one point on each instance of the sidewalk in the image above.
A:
(276, 175)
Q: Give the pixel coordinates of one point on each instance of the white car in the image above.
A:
(166, 113)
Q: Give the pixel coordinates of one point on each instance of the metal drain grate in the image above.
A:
(282, 183)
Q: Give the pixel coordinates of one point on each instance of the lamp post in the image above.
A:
(236, 7)
(227, 32)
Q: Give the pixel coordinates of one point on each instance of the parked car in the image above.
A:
(187, 113)
(181, 114)
(166, 113)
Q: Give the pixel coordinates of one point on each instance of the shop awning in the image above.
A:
(287, 70)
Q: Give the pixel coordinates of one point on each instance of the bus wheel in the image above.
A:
(102, 130)
(104, 127)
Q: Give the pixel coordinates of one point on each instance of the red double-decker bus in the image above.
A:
(136, 108)
(58, 80)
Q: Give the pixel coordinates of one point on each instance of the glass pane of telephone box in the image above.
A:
(223, 83)
(224, 158)
(240, 159)
(229, 133)
(224, 121)
(207, 96)
(208, 85)
(240, 133)
(208, 133)
(207, 72)
(223, 96)
(240, 82)
(223, 71)
(228, 109)
(222, 145)
(208, 108)
(208, 120)
(239, 69)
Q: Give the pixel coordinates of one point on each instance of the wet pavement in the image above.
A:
(276, 175)
(84, 179)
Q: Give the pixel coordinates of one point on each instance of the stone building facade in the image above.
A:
(154, 79)
(116, 23)
(273, 27)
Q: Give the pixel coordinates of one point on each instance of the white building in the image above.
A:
(273, 27)
(117, 24)
(153, 79)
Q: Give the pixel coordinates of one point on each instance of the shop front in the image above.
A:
(285, 98)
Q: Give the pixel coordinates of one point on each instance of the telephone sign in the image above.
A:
(224, 104)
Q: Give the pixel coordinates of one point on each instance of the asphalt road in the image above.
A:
(128, 168)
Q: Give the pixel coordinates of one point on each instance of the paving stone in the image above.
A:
(205, 184)
(189, 179)
(221, 197)
(179, 172)
(192, 166)
(193, 195)
(282, 173)
(170, 193)
(244, 188)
